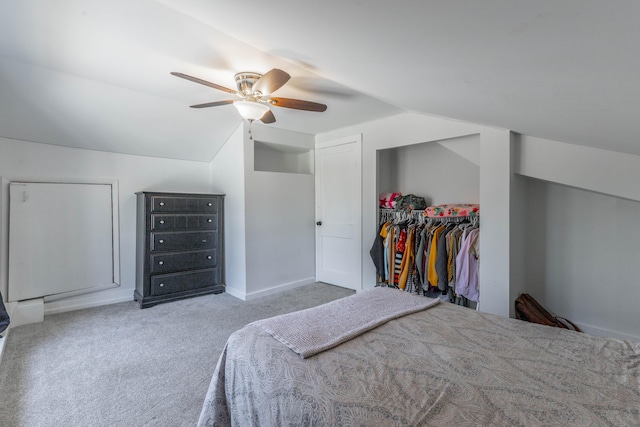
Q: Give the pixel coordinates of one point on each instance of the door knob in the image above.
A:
(319, 223)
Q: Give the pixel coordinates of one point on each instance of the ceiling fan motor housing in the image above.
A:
(245, 82)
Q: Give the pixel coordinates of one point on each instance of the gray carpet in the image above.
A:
(118, 365)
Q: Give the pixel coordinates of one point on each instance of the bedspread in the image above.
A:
(446, 366)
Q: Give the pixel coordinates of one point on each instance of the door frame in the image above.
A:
(357, 140)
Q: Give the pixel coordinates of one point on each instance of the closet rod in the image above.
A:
(387, 214)
(455, 219)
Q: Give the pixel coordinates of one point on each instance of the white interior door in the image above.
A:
(339, 212)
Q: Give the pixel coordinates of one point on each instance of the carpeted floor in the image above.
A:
(118, 365)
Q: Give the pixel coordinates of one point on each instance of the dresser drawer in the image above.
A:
(187, 241)
(184, 204)
(179, 282)
(163, 263)
(184, 222)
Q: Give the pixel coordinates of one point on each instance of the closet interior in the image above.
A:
(442, 173)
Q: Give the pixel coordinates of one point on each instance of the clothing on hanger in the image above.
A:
(437, 257)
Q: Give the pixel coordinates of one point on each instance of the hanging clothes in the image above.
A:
(442, 258)
(420, 250)
(433, 253)
(437, 256)
(397, 263)
(407, 262)
(391, 254)
(384, 233)
(452, 252)
(467, 263)
(377, 253)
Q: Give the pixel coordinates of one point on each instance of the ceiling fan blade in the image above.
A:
(213, 104)
(203, 82)
(297, 104)
(268, 117)
(271, 81)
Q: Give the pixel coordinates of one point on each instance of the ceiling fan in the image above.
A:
(254, 93)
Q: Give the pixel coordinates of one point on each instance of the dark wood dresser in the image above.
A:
(179, 246)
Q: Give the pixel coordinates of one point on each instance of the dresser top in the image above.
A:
(159, 193)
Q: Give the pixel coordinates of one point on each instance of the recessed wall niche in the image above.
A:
(272, 157)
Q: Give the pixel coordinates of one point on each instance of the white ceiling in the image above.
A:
(95, 74)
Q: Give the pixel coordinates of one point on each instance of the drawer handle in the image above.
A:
(162, 221)
(162, 285)
(204, 240)
(161, 262)
(160, 241)
(209, 220)
(209, 204)
(208, 256)
(161, 203)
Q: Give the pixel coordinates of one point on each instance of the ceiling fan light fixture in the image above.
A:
(251, 110)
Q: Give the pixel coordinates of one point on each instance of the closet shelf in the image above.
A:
(444, 212)
(453, 210)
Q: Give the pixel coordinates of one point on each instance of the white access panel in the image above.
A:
(60, 239)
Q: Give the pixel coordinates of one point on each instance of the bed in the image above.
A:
(444, 365)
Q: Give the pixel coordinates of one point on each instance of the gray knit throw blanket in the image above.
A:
(316, 329)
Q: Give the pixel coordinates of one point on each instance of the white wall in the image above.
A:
(525, 246)
(518, 226)
(580, 237)
(227, 177)
(27, 160)
(582, 255)
(594, 169)
(280, 231)
(496, 175)
(269, 216)
(279, 219)
(398, 131)
(432, 171)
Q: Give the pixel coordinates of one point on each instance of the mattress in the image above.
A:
(444, 366)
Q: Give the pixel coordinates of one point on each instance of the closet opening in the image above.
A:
(441, 172)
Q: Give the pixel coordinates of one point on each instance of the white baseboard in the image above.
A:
(270, 291)
(235, 292)
(594, 330)
(95, 299)
(27, 311)
(33, 311)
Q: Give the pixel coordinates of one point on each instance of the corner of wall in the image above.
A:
(517, 227)
(227, 174)
(495, 199)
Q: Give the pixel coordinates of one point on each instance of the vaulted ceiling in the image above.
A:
(95, 74)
